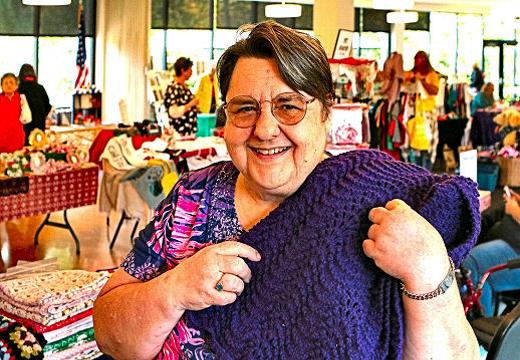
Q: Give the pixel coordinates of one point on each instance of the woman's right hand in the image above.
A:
(193, 281)
(192, 103)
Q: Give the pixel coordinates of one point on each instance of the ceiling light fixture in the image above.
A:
(283, 10)
(393, 4)
(402, 17)
(46, 2)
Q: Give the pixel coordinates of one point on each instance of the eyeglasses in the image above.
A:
(288, 108)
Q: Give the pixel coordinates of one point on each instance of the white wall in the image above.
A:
(328, 17)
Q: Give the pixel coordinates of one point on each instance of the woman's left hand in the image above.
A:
(406, 246)
(511, 206)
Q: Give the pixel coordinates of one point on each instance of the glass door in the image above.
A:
(491, 63)
(498, 60)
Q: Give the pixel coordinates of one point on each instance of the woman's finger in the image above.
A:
(373, 231)
(230, 283)
(377, 214)
(236, 266)
(369, 248)
(395, 204)
(225, 298)
(236, 248)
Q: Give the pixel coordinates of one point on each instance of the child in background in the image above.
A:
(11, 129)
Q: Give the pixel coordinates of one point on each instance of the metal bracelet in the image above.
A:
(441, 289)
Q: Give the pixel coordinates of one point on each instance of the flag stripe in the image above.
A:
(81, 56)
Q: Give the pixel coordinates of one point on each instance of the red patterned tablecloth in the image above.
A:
(52, 192)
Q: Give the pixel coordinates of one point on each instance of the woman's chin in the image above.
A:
(279, 186)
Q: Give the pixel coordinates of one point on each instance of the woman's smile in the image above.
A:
(270, 152)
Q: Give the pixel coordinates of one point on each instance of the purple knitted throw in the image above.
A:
(314, 294)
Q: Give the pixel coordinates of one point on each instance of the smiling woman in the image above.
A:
(260, 223)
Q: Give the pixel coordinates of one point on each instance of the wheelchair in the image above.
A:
(499, 334)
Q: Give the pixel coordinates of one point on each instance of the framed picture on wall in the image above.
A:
(343, 47)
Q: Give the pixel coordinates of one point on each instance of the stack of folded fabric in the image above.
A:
(58, 306)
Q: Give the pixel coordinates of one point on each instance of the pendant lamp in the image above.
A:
(46, 2)
(393, 4)
(402, 17)
(283, 10)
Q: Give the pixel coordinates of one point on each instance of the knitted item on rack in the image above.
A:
(315, 294)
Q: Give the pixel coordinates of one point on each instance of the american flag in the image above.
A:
(81, 56)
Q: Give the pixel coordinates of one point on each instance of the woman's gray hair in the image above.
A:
(301, 59)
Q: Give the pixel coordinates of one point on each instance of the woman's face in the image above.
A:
(420, 61)
(187, 73)
(9, 85)
(273, 158)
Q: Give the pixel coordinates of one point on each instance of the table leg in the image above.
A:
(133, 231)
(116, 233)
(124, 217)
(66, 226)
(40, 228)
(108, 226)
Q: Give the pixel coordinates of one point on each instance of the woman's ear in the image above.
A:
(326, 111)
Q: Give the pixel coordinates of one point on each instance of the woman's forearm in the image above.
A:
(437, 328)
(133, 320)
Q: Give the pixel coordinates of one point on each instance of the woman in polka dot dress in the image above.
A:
(179, 100)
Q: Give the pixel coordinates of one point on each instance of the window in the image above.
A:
(509, 71)
(232, 14)
(57, 73)
(371, 40)
(443, 50)
(224, 38)
(23, 50)
(517, 58)
(372, 45)
(195, 44)
(469, 44)
(413, 42)
(190, 30)
(189, 14)
(498, 28)
(34, 35)
(11, 13)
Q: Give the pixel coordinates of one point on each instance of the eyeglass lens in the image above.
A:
(287, 108)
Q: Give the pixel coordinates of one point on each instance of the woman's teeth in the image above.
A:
(271, 151)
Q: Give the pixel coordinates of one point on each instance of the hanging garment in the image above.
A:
(147, 182)
(394, 74)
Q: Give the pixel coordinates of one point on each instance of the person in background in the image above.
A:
(476, 79)
(257, 223)
(484, 98)
(423, 130)
(498, 245)
(207, 93)
(37, 99)
(424, 73)
(11, 129)
(179, 100)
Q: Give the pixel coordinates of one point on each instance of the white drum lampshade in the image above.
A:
(46, 2)
(283, 10)
(402, 17)
(393, 4)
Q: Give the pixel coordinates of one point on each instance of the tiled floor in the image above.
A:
(16, 240)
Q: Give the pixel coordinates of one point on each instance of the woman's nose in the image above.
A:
(266, 126)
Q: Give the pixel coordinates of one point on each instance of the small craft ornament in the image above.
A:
(37, 139)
